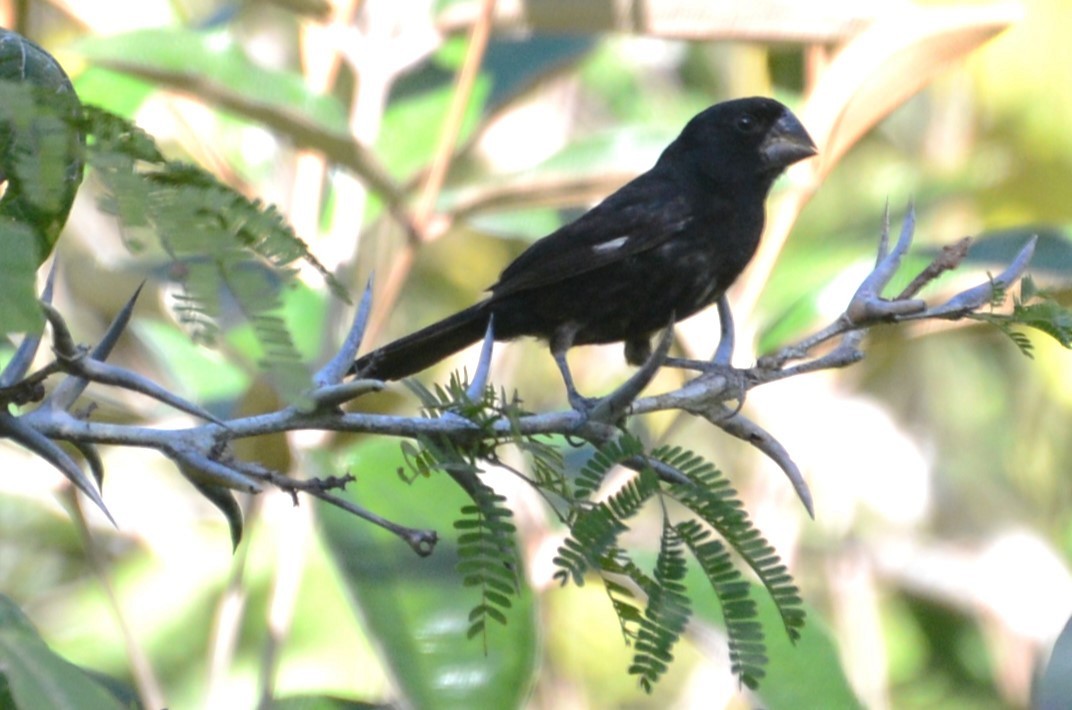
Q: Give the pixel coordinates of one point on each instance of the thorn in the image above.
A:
(62, 341)
(866, 303)
(118, 325)
(38, 443)
(103, 373)
(980, 295)
(751, 433)
(50, 282)
(69, 390)
(884, 235)
(198, 467)
(93, 460)
(343, 363)
(334, 395)
(483, 367)
(1016, 269)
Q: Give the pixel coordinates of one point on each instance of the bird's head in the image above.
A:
(755, 137)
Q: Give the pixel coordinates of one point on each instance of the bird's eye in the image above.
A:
(747, 123)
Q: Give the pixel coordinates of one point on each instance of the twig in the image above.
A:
(947, 260)
(422, 542)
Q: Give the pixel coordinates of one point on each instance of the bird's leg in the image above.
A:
(576, 399)
(560, 343)
(723, 353)
(720, 363)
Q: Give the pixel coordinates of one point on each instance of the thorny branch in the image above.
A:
(202, 452)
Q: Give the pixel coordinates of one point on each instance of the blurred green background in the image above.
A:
(937, 568)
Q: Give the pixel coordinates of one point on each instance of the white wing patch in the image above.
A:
(612, 245)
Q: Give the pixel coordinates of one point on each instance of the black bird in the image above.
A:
(666, 245)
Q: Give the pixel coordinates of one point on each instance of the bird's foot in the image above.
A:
(736, 380)
(581, 404)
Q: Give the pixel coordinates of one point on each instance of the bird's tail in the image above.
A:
(427, 346)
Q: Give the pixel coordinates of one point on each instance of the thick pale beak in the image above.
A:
(787, 142)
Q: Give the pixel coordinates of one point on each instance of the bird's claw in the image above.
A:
(736, 380)
(581, 404)
(736, 383)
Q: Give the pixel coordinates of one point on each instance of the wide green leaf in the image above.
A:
(804, 674)
(418, 609)
(1053, 253)
(40, 171)
(32, 676)
(213, 66)
(40, 142)
(19, 310)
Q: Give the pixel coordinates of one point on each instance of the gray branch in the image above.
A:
(202, 451)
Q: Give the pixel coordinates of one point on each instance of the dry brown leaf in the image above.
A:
(886, 64)
(874, 73)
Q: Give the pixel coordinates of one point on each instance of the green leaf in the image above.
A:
(203, 375)
(38, 678)
(120, 93)
(412, 125)
(603, 460)
(744, 632)
(1032, 308)
(19, 258)
(40, 140)
(594, 531)
(667, 611)
(418, 609)
(714, 501)
(488, 555)
(235, 254)
(1053, 252)
(807, 673)
(213, 66)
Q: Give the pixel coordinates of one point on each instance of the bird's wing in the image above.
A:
(640, 216)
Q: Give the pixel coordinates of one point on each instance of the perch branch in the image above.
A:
(202, 451)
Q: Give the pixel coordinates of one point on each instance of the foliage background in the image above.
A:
(938, 563)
